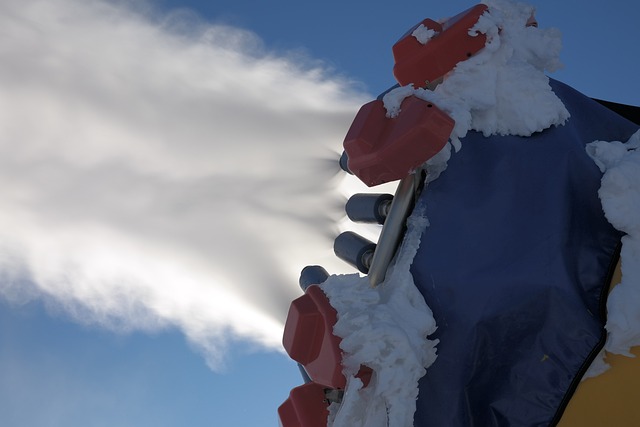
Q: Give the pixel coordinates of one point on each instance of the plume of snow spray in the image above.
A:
(157, 170)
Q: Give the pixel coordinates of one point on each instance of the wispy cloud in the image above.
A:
(157, 170)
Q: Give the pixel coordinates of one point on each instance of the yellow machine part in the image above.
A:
(610, 399)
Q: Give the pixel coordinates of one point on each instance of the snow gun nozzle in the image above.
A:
(355, 250)
(312, 275)
(344, 163)
(370, 208)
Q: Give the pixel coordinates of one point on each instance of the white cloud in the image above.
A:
(157, 170)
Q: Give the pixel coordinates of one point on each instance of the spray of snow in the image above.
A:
(160, 171)
(384, 328)
(620, 196)
(502, 90)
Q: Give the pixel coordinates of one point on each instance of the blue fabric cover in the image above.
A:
(515, 266)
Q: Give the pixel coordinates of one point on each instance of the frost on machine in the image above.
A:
(484, 301)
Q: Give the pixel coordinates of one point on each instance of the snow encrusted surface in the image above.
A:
(384, 328)
(502, 90)
(423, 34)
(620, 196)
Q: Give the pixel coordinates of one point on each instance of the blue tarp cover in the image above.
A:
(515, 266)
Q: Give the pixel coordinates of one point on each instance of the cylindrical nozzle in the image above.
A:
(312, 275)
(369, 208)
(344, 163)
(354, 250)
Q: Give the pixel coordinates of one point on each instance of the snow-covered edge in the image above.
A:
(384, 328)
(620, 196)
(493, 92)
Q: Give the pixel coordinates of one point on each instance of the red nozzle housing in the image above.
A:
(305, 407)
(382, 149)
(421, 64)
(309, 340)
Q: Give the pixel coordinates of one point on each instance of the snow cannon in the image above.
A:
(509, 276)
(428, 51)
(383, 149)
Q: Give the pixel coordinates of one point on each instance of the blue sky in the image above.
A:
(356, 39)
(71, 356)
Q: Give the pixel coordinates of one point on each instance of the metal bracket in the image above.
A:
(393, 228)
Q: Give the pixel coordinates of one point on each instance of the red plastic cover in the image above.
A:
(382, 149)
(422, 64)
(309, 339)
(305, 407)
